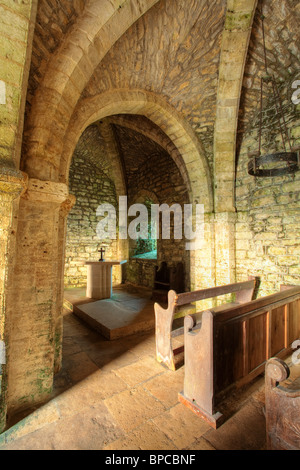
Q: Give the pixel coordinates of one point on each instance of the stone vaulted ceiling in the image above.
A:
(171, 50)
(186, 55)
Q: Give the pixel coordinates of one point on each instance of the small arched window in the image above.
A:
(146, 248)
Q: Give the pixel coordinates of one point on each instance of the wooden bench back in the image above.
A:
(243, 290)
(232, 347)
(249, 334)
(164, 317)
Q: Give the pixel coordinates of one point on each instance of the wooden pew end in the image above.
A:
(215, 420)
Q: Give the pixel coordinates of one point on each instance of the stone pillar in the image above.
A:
(225, 247)
(203, 262)
(12, 183)
(33, 293)
(214, 263)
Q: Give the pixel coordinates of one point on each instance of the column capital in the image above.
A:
(46, 191)
(67, 205)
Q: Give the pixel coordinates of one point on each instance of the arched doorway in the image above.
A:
(186, 153)
(117, 157)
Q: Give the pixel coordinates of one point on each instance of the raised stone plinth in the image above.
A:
(129, 311)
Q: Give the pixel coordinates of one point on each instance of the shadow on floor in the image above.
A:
(113, 395)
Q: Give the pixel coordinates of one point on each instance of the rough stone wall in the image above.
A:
(141, 272)
(268, 224)
(32, 294)
(91, 183)
(148, 170)
(7, 246)
(158, 175)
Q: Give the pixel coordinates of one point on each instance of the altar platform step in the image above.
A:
(130, 310)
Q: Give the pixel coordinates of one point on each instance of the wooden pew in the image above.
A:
(229, 348)
(282, 406)
(164, 318)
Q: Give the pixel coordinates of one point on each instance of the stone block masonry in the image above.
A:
(268, 209)
(268, 241)
(91, 183)
(32, 294)
(268, 228)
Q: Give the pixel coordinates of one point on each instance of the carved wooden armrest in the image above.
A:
(282, 407)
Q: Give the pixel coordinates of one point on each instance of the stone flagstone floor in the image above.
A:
(113, 395)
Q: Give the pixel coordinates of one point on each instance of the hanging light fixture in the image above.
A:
(280, 163)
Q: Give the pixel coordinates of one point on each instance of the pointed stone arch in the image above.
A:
(68, 72)
(195, 170)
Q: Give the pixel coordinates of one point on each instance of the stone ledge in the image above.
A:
(46, 191)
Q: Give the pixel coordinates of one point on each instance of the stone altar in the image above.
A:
(99, 278)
